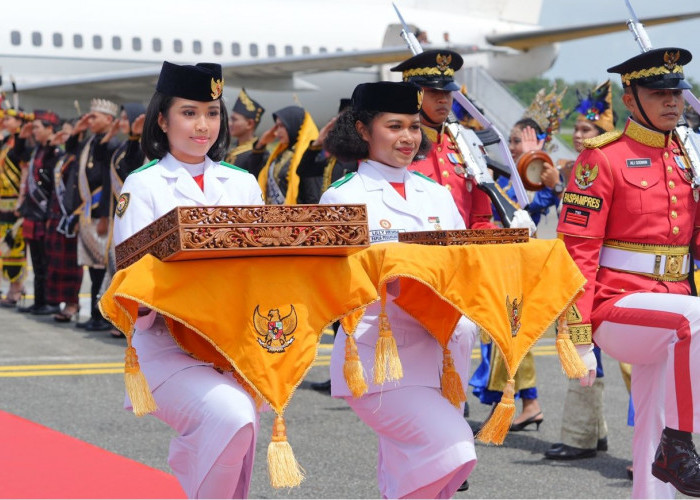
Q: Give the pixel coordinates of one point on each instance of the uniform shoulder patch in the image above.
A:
(602, 139)
(122, 204)
(343, 179)
(144, 167)
(234, 167)
(423, 176)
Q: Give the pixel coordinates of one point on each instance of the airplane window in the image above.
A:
(177, 46)
(322, 50)
(236, 49)
(197, 47)
(339, 49)
(78, 41)
(136, 43)
(271, 50)
(97, 42)
(15, 38)
(288, 50)
(36, 38)
(254, 49)
(157, 45)
(218, 48)
(116, 43)
(305, 50)
(57, 40)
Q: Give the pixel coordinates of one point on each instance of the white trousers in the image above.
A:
(217, 424)
(658, 334)
(425, 445)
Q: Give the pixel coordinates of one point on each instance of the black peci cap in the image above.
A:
(432, 68)
(202, 82)
(655, 69)
(248, 107)
(389, 97)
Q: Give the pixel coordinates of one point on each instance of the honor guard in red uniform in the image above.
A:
(630, 220)
(434, 71)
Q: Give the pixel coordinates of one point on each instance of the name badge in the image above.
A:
(639, 162)
(382, 235)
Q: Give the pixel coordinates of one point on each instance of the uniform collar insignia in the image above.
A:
(646, 136)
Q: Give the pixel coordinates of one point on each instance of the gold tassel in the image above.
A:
(497, 426)
(283, 468)
(570, 360)
(387, 365)
(352, 369)
(451, 382)
(136, 384)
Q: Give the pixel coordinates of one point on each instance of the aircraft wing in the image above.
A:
(529, 39)
(264, 73)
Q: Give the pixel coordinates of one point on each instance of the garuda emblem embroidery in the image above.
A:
(217, 88)
(514, 309)
(585, 175)
(275, 331)
(443, 62)
(670, 59)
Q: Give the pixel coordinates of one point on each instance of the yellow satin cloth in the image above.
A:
(211, 305)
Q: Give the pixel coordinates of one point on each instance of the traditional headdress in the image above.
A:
(104, 106)
(47, 116)
(248, 107)
(546, 110)
(596, 107)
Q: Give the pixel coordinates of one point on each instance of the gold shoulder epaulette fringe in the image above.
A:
(602, 139)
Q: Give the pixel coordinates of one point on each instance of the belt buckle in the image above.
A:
(673, 267)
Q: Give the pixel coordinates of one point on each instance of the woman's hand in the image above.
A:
(549, 175)
(323, 133)
(111, 132)
(267, 137)
(102, 226)
(530, 141)
(137, 125)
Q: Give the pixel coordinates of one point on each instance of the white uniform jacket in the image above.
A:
(428, 206)
(151, 193)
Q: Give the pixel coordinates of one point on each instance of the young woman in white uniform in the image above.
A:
(426, 448)
(186, 131)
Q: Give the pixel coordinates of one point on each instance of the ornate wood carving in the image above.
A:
(466, 237)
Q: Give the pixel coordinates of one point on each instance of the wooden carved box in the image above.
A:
(187, 233)
(466, 236)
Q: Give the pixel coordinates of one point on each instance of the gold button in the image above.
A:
(676, 230)
(644, 183)
(674, 214)
(665, 154)
(671, 184)
(674, 199)
(441, 161)
(445, 173)
(439, 149)
(622, 290)
(449, 188)
(669, 169)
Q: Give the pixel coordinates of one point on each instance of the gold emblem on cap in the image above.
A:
(671, 59)
(443, 62)
(217, 88)
(420, 99)
(246, 101)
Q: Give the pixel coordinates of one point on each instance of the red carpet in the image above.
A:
(38, 462)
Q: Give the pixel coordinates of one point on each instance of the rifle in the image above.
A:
(688, 139)
(473, 152)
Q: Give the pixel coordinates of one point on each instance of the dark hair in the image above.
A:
(154, 142)
(523, 123)
(345, 142)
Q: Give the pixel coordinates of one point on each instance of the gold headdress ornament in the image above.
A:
(104, 106)
(597, 106)
(217, 88)
(546, 110)
(245, 100)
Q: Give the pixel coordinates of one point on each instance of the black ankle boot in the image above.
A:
(677, 462)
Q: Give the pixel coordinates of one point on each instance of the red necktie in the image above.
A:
(400, 188)
(199, 179)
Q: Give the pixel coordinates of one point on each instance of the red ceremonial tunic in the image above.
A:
(444, 165)
(635, 188)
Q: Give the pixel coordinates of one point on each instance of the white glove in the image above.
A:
(521, 218)
(585, 352)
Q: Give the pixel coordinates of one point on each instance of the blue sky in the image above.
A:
(588, 58)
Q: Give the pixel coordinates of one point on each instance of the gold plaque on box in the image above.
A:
(188, 233)
(466, 236)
